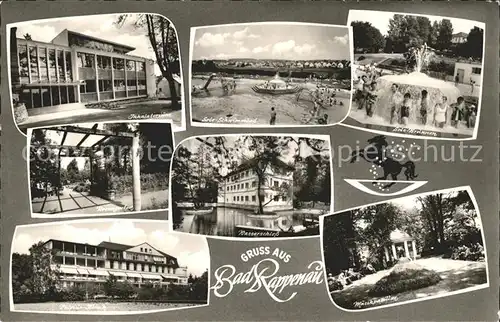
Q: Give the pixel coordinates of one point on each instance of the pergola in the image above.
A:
(91, 140)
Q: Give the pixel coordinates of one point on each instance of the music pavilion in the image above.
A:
(75, 68)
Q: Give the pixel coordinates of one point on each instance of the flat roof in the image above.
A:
(97, 39)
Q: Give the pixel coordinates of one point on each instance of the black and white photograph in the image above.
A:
(416, 75)
(270, 74)
(99, 168)
(97, 68)
(106, 266)
(251, 185)
(405, 250)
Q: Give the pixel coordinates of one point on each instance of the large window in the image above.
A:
(60, 65)
(103, 62)
(23, 63)
(34, 63)
(52, 64)
(119, 85)
(89, 86)
(141, 66)
(85, 60)
(130, 65)
(69, 72)
(476, 70)
(118, 64)
(43, 63)
(105, 85)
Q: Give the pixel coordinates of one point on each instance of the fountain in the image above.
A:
(414, 83)
(276, 86)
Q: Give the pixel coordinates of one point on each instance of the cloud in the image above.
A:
(243, 50)
(197, 262)
(341, 40)
(258, 50)
(242, 34)
(238, 43)
(208, 39)
(305, 49)
(283, 47)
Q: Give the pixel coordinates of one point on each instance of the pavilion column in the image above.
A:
(394, 254)
(407, 252)
(136, 173)
(414, 248)
(386, 251)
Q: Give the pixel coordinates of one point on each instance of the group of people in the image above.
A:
(366, 94)
(439, 115)
(345, 278)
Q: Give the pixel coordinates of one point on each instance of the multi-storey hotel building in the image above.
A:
(240, 188)
(77, 68)
(78, 263)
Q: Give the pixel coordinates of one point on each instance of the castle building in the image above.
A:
(78, 264)
(240, 187)
(76, 68)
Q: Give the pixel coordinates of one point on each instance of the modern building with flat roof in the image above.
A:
(75, 68)
(78, 264)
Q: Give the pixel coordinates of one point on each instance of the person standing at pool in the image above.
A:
(458, 112)
(395, 103)
(371, 99)
(440, 111)
(406, 108)
(273, 117)
(424, 107)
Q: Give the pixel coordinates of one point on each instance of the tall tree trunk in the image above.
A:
(259, 196)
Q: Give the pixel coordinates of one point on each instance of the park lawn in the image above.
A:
(457, 276)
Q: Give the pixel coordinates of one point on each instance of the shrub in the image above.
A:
(149, 182)
(408, 279)
(473, 252)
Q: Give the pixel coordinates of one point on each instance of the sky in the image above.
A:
(272, 41)
(100, 26)
(190, 250)
(231, 141)
(380, 20)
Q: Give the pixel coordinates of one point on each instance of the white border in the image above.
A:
(36, 21)
(421, 137)
(320, 137)
(116, 313)
(63, 215)
(464, 290)
(257, 125)
(356, 183)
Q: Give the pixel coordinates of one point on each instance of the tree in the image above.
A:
(445, 34)
(433, 35)
(43, 161)
(45, 279)
(198, 287)
(27, 36)
(111, 286)
(73, 173)
(367, 37)
(163, 40)
(474, 45)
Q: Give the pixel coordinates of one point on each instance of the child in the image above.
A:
(371, 99)
(406, 108)
(395, 101)
(424, 107)
(273, 117)
(472, 116)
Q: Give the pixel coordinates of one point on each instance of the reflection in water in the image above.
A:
(222, 221)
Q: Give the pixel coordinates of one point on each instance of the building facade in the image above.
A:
(459, 38)
(78, 264)
(240, 189)
(76, 68)
(469, 71)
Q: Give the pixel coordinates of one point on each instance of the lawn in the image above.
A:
(455, 275)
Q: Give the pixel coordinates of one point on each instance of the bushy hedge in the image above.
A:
(402, 281)
(82, 187)
(149, 182)
(468, 253)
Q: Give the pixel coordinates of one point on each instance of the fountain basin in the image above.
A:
(413, 83)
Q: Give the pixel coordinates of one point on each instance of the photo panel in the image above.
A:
(252, 185)
(98, 169)
(107, 266)
(416, 75)
(405, 250)
(95, 68)
(270, 74)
